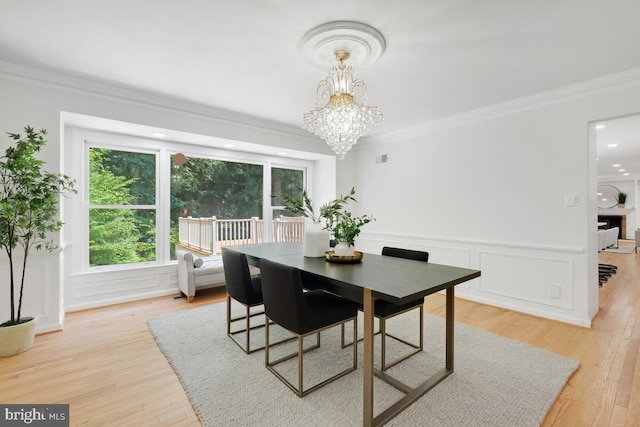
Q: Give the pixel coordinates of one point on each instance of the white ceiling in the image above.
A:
(618, 147)
(443, 57)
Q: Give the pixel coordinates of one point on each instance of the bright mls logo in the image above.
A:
(35, 415)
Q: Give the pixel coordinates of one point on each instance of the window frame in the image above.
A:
(87, 206)
(163, 151)
(297, 168)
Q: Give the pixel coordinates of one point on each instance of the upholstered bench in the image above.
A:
(198, 273)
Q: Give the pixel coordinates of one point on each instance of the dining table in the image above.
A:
(388, 278)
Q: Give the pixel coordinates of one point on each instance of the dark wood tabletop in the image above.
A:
(392, 279)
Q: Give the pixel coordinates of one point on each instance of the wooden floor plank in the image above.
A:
(627, 374)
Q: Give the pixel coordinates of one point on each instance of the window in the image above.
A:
(122, 207)
(204, 188)
(135, 197)
(285, 182)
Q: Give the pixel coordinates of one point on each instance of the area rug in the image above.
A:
(621, 249)
(496, 382)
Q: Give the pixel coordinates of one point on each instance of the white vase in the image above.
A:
(343, 249)
(316, 240)
(17, 338)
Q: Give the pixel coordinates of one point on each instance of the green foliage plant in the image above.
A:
(344, 226)
(301, 206)
(330, 211)
(621, 198)
(304, 206)
(29, 198)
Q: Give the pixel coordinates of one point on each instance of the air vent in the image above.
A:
(382, 158)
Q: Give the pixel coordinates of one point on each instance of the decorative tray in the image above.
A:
(332, 257)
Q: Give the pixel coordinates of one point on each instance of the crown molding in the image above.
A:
(609, 83)
(113, 92)
(106, 90)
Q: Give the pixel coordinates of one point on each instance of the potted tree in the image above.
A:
(29, 199)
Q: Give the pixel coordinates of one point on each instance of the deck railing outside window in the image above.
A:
(288, 229)
(209, 235)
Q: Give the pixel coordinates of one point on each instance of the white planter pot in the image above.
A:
(17, 338)
(316, 240)
(343, 249)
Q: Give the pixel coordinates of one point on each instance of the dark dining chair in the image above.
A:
(303, 313)
(244, 289)
(385, 310)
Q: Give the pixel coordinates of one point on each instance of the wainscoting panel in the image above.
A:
(106, 287)
(534, 279)
(36, 287)
(40, 297)
(537, 279)
(97, 289)
(36, 291)
(449, 255)
(529, 278)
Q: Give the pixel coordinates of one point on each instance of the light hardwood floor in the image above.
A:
(106, 365)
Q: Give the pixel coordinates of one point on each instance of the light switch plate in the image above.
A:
(572, 199)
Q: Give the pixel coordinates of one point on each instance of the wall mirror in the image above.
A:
(607, 196)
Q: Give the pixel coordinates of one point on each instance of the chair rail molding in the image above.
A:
(514, 245)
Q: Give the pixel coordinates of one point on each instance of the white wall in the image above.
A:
(38, 98)
(486, 190)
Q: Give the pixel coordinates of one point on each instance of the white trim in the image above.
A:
(114, 92)
(525, 309)
(48, 327)
(118, 300)
(513, 245)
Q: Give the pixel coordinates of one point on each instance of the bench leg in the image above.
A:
(190, 299)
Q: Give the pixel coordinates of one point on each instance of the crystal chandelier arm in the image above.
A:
(323, 93)
(359, 90)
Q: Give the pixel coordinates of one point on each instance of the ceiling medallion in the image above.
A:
(341, 116)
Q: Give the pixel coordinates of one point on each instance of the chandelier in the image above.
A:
(341, 121)
(341, 116)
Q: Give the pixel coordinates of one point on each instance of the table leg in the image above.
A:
(449, 329)
(367, 405)
(413, 393)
